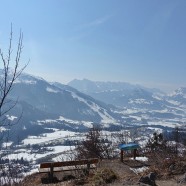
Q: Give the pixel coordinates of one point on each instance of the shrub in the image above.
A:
(104, 176)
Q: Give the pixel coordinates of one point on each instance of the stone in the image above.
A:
(148, 179)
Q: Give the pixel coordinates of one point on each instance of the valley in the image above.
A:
(56, 117)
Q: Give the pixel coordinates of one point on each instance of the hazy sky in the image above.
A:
(136, 41)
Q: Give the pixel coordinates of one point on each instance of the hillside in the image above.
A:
(122, 171)
(45, 107)
(120, 94)
(55, 117)
(42, 104)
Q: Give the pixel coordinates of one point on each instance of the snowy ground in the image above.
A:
(30, 156)
(56, 151)
(139, 170)
(47, 137)
(140, 158)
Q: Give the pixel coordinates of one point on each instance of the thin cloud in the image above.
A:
(98, 22)
(83, 30)
(94, 23)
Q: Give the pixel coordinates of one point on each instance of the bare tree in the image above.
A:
(94, 146)
(10, 71)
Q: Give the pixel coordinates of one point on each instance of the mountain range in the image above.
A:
(44, 105)
(125, 95)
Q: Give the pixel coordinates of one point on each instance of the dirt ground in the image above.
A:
(129, 178)
(125, 176)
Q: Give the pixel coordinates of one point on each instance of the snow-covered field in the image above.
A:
(47, 137)
(51, 147)
(33, 156)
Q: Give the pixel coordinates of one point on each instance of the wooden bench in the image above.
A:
(51, 167)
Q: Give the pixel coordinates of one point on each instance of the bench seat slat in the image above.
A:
(66, 168)
(69, 163)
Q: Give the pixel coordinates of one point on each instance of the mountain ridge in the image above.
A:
(45, 104)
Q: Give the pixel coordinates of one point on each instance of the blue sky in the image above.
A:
(136, 41)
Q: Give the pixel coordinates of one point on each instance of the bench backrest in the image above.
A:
(69, 163)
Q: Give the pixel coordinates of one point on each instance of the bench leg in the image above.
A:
(88, 169)
(50, 175)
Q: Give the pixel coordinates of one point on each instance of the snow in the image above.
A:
(174, 102)
(6, 144)
(140, 158)
(136, 117)
(58, 149)
(11, 118)
(61, 118)
(179, 91)
(4, 180)
(157, 97)
(106, 118)
(130, 111)
(29, 82)
(160, 111)
(24, 127)
(66, 155)
(48, 89)
(46, 121)
(140, 101)
(156, 129)
(139, 170)
(30, 156)
(47, 137)
(143, 142)
(34, 170)
(25, 155)
(164, 123)
(2, 129)
(54, 129)
(88, 124)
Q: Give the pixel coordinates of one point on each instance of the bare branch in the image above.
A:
(10, 72)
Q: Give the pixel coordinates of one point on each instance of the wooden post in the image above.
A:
(121, 157)
(135, 153)
(88, 168)
(51, 173)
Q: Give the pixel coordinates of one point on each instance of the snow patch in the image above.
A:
(140, 101)
(47, 137)
(29, 82)
(6, 144)
(164, 123)
(106, 118)
(140, 158)
(139, 170)
(11, 118)
(174, 102)
(48, 89)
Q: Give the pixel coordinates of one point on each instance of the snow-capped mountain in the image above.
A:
(120, 94)
(89, 86)
(178, 97)
(138, 105)
(45, 106)
(51, 117)
(60, 100)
